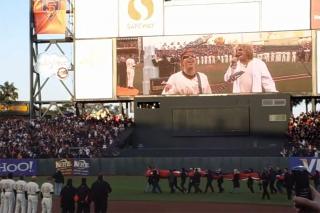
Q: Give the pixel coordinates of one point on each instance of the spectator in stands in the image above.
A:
(188, 81)
(60, 137)
(254, 75)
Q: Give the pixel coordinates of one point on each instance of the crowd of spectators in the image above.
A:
(303, 136)
(61, 137)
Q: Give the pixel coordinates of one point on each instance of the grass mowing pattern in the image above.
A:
(131, 188)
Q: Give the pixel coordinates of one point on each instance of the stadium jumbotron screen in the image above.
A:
(145, 64)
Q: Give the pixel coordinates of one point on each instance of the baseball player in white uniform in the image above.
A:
(9, 198)
(188, 81)
(130, 70)
(33, 194)
(47, 192)
(21, 202)
(2, 193)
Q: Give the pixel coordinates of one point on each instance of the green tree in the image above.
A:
(8, 92)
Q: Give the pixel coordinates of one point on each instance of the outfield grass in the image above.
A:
(131, 188)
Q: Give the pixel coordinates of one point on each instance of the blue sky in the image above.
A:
(14, 52)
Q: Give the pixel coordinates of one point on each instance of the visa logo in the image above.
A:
(314, 164)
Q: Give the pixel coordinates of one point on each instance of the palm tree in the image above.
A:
(8, 92)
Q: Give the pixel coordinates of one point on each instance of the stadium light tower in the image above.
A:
(51, 34)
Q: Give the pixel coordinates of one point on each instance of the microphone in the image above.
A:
(233, 63)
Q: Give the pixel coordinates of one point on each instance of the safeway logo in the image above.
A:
(140, 9)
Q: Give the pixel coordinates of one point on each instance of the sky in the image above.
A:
(14, 40)
(14, 51)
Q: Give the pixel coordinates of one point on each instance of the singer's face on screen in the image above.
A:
(244, 52)
(188, 63)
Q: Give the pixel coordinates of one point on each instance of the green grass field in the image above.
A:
(131, 188)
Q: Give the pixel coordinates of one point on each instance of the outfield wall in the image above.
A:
(137, 166)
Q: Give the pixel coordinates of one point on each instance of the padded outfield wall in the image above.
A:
(137, 166)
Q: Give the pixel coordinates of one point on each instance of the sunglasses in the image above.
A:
(188, 56)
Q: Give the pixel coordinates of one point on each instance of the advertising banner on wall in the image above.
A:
(49, 16)
(25, 167)
(65, 166)
(315, 14)
(73, 166)
(81, 167)
(311, 163)
(140, 17)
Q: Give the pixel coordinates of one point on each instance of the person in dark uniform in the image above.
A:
(183, 177)
(100, 190)
(288, 182)
(209, 181)
(58, 182)
(122, 72)
(165, 67)
(155, 182)
(265, 177)
(250, 184)
(197, 181)
(173, 182)
(191, 182)
(236, 181)
(279, 181)
(67, 195)
(273, 177)
(220, 180)
(84, 194)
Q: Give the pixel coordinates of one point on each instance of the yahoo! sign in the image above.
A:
(26, 167)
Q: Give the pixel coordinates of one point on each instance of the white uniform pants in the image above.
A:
(21, 203)
(46, 205)
(8, 202)
(32, 203)
(130, 77)
(2, 202)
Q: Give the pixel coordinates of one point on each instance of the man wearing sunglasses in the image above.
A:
(187, 81)
(249, 74)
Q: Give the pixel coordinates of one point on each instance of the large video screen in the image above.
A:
(226, 63)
